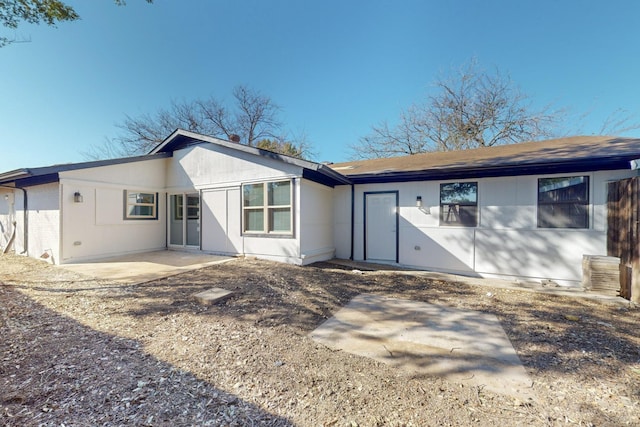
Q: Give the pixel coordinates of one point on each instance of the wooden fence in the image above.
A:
(623, 214)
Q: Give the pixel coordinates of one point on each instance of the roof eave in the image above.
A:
(437, 174)
(48, 174)
(13, 175)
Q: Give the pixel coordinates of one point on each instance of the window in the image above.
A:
(193, 207)
(266, 208)
(563, 202)
(140, 205)
(459, 204)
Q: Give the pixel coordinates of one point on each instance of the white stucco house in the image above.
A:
(529, 210)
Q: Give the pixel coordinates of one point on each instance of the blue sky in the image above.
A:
(335, 67)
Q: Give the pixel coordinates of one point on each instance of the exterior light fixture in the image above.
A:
(6, 197)
(424, 209)
(77, 197)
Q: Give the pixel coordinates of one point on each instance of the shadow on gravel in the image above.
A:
(590, 342)
(56, 371)
(546, 330)
(557, 328)
(301, 298)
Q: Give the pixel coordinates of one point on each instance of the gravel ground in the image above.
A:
(83, 352)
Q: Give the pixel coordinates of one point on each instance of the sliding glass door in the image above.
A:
(184, 220)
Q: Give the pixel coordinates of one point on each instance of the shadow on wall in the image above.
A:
(535, 253)
(543, 254)
(419, 249)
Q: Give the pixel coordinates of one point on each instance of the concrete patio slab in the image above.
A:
(144, 267)
(425, 339)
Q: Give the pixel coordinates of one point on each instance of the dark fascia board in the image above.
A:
(583, 165)
(45, 175)
(317, 172)
(37, 180)
(321, 178)
(13, 175)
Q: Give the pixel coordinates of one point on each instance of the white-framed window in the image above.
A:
(563, 202)
(459, 204)
(267, 208)
(140, 205)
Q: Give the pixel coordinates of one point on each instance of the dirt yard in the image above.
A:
(81, 352)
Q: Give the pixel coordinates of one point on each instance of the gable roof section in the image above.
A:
(317, 172)
(563, 155)
(48, 174)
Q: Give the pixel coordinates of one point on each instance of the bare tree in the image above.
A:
(284, 144)
(252, 116)
(470, 109)
(257, 115)
(619, 122)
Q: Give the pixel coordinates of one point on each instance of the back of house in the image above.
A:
(529, 210)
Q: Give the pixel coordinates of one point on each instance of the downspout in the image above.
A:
(26, 217)
(353, 217)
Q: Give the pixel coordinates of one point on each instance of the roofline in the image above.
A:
(47, 174)
(546, 168)
(330, 174)
(7, 176)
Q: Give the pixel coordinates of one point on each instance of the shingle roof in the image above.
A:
(572, 154)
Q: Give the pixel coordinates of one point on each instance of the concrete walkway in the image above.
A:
(464, 346)
(145, 267)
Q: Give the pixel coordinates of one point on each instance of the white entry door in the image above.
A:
(381, 226)
(221, 221)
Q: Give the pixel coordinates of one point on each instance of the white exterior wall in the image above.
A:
(43, 219)
(206, 168)
(342, 221)
(506, 242)
(7, 216)
(316, 222)
(96, 227)
(19, 244)
(213, 166)
(44, 222)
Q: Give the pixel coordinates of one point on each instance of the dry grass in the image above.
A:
(77, 351)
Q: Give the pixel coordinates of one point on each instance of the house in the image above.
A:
(527, 210)
(185, 194)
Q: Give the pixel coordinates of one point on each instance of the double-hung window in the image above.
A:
(459, 204)
(140, 205)
(266, 208)
(563, 202)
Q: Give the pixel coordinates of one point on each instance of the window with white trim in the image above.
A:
(563, 202)
(459, 204)
(140, 205)
(267, 208)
